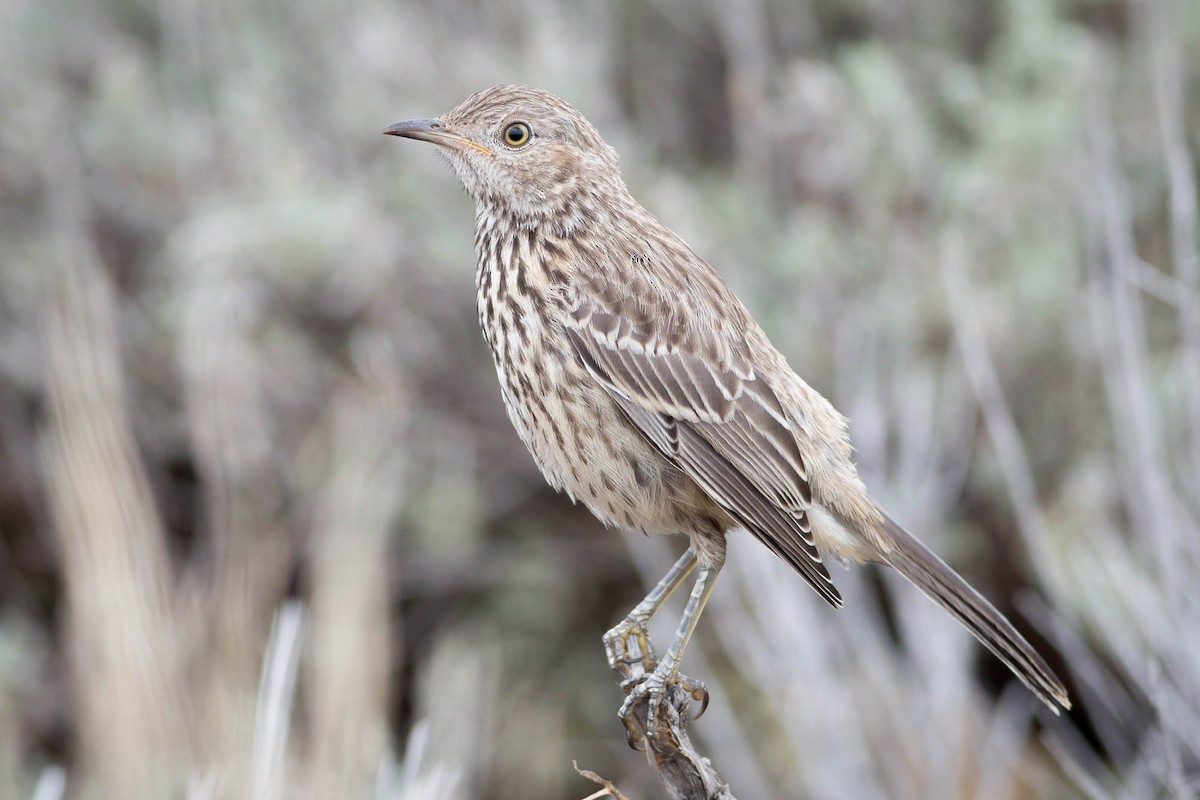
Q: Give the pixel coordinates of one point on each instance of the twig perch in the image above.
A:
(686, 774)
(607, 790)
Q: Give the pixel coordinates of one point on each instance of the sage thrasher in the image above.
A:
(643, 387)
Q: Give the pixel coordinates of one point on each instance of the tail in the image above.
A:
(932, 576)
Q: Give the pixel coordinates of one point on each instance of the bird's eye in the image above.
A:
(517, 134)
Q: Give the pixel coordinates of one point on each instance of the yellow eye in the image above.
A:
(517, 134)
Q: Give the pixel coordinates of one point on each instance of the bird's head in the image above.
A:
(523, 150)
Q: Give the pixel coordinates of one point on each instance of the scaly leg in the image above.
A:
(616, 641)
(667, 673)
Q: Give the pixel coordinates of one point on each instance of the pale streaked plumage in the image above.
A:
(642, 385)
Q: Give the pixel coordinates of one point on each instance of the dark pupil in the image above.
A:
(516, 134)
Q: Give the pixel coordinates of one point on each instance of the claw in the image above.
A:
(635, 738)
(652, 687)
(697, 691)
(617, 646)
(634, 692)
(702, 699)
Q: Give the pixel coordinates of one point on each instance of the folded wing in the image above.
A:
(697, 398)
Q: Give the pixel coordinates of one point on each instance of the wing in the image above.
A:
(694, 394)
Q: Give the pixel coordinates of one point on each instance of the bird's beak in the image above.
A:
(432, 130)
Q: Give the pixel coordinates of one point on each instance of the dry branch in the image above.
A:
(245, 497)
(124, 673)
(359, 491)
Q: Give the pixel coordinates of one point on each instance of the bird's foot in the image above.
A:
(628, 644)
(654, 689)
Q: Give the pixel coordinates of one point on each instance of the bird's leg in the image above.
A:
(616, 641)
(655, 684)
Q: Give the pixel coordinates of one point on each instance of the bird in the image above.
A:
(645, 390)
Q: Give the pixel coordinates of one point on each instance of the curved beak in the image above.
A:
(432, 130)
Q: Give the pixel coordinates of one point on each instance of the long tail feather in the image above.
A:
(942, 584)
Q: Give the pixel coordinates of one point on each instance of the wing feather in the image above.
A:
(770, 524)
(717, 420)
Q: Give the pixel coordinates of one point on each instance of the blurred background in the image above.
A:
(265, 530)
